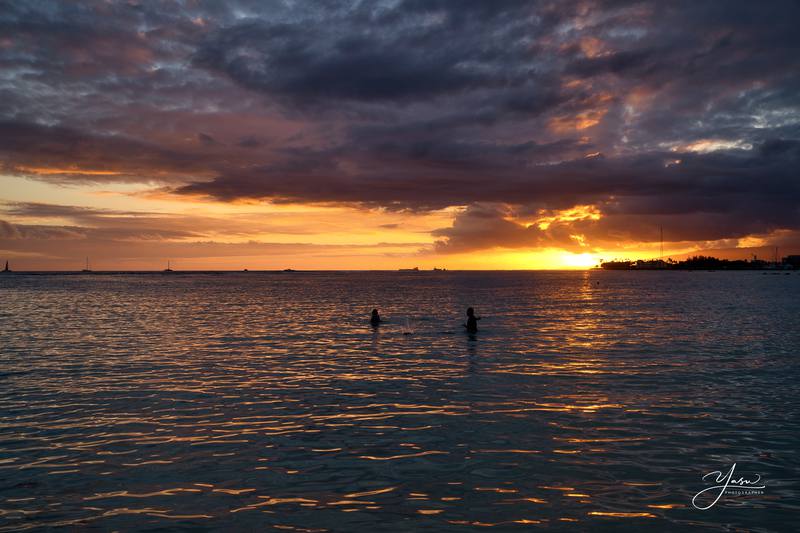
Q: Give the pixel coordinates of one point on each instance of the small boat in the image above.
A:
(86, 269)
(6, 270)
(435, 269)
(415, 269)
(168, 269)
(289, 270)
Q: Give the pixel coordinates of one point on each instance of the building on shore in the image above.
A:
(792, 260)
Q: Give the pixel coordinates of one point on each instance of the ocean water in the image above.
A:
(260, 401)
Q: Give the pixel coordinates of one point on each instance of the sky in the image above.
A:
(462, 134)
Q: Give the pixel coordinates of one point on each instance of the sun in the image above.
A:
(584, 260)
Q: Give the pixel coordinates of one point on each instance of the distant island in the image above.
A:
(701, 262)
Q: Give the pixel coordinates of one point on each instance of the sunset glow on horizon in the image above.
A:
(212, 235)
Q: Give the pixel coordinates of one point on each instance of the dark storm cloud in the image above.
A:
(206, 139)
(457, 175)
(26, 146)
(682, 114)
(356, 69)
(486, 226)
(372, 52)
(248, 141)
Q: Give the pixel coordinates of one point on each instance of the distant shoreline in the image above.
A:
(289, 272)
(408, 274)
(700, 262)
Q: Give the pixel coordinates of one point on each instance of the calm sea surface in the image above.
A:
(252, 401)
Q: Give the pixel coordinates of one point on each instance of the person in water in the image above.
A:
(472, 321)
(375, 319)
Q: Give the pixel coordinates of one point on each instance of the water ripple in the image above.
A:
(252, 401)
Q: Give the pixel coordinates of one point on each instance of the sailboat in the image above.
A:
(168, 269)
(87, 269)
(6, 269)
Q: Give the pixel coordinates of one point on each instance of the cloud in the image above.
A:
(65, 154)
(17, 232)
(144, 225)
(365, 53)
(206, 139)
(675, 114)
(248, 141)
(485, 226)
(65, 247)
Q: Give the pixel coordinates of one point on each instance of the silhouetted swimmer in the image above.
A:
(472, 321)
(375, 319)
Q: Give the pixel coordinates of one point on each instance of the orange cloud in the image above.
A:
(579, 212)
(598, 104)
(46, 171)
(593, 47)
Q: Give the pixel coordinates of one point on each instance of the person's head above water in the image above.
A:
(472, 321)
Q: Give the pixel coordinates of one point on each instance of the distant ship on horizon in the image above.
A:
(415, 269)
(168, 269)
(86, 269)
(6, 269)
